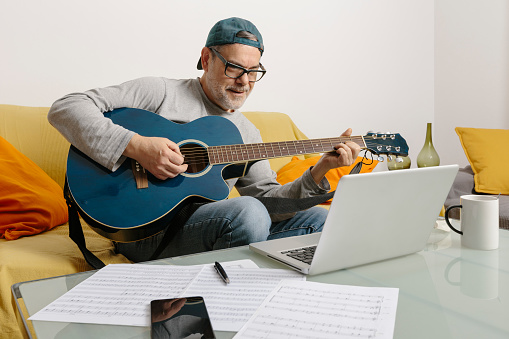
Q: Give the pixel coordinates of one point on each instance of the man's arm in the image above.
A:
(79, 117)
(345, 155)
(261, 180)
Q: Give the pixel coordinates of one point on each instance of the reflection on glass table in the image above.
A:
(445, 291)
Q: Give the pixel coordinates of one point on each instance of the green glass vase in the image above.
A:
(397, 163)
(428, 156)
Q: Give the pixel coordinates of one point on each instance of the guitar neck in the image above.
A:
(260, 151)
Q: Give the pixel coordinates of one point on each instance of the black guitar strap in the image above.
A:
(289, 205)
(273, 206)
(177, 223)
(76, 231)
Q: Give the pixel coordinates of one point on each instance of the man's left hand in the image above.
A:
(345, 154)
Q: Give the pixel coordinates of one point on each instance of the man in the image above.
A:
(231, 64)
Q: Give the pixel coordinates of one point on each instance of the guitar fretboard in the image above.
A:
(270, 150)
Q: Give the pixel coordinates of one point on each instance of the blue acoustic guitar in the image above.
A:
(131, 204)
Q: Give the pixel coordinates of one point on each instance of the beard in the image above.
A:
(228, 100)
(225, 96)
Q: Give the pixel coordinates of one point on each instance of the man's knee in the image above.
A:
(318, 215)
(304, 222)
(251, 218)
(250, 210)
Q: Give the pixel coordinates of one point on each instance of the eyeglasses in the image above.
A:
(235, 71)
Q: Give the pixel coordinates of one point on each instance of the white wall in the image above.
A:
(366, 64)
(471, 71)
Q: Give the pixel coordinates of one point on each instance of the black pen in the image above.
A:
(220, 270)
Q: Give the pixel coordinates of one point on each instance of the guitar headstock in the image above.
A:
(386, 143)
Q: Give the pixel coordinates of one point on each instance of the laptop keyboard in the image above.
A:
(304, 254)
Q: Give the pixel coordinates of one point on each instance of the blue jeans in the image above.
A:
(225, 224)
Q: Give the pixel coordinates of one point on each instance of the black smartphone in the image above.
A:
(179, 318)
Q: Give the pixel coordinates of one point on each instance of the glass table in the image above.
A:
(445, 291)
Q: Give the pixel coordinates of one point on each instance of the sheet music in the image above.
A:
(316, 310)
(230, 306)
(120, 294)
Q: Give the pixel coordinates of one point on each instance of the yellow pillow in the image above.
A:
(295, 168)
(30, 201)
(484, 149)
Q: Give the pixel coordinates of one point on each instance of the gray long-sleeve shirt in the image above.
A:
(79, 117)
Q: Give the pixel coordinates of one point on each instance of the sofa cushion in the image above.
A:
(484, 150)
(27, 129)
(464, 185)
(31, 202)
(48, 254)
(297, 167)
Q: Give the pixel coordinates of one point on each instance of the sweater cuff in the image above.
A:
(310, 183)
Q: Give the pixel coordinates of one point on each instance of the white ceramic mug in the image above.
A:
(479, 218)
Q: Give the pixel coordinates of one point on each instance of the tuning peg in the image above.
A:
(399, 159)
(389, 157)
(380, 159)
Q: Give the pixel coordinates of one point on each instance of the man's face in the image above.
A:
(229, 94)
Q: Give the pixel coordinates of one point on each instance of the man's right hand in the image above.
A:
(159, 156)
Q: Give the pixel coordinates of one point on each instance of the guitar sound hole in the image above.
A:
(195, 156)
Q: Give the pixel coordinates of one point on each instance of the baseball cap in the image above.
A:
(224, 32)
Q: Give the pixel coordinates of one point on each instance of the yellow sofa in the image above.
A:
(53, 253)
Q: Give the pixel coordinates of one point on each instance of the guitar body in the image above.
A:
(111, 202)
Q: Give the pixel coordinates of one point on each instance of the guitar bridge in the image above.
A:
(140, 174)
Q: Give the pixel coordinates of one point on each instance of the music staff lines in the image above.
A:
(339, 313)
(338, 296)
(301, 310)
(288, 327)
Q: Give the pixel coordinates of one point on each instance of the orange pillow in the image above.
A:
(295, 168)
(30, 201)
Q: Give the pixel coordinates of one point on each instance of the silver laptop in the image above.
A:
(373, 217)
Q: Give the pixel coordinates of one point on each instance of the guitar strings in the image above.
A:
(251, 147)
(246, 148)
(200, 155)
(296, 144)
(365, 158)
